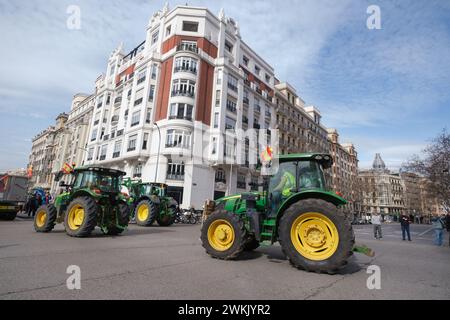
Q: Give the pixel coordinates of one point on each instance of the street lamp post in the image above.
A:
(159, 146)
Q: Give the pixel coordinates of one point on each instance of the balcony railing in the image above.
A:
(187, 47)
(177, 145)
(131, 149)
(186, 69)
(120, 132)
(180, 117)
(141, 80)
(231, 108)
(171, 176)
(116, 154)
(102, 157)
(257, 108)
(138, 101)
(117, 100)
(232, 87)
(185, 93)
(115, 119)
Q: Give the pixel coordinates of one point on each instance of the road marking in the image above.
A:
(421, 234)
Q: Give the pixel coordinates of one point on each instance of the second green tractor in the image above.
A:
(149, 202)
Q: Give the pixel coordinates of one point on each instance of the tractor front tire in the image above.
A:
(44, 219)
(315, 236)
(145, 213)
(81, 217)
(223, 235)
(167, 219)
(122, 219)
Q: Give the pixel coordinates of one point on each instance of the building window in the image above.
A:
(214, 146)
(155, 37)
(175, 171)
(231, 105)
(230, 124)
(254, 183)
(190, 26)
(267, 78)
(154, 68)
(141, 76)
(135, 118)
(117, 147)
(137, 171)
(148, 116)
(168, 30)
(241, 181)
(132, 143)
(220, 176)
(145, 141)
(186, 64)
(151, 93)
(90, 154)
(245, 60)
(217, 98)
(228, 46)
(178, 139)
(94, 134)
(182, 87)
(103, 152)
(232, 83)
(257, 70)
(216, 120)
(180, 111)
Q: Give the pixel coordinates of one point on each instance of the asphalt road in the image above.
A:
(170, 263)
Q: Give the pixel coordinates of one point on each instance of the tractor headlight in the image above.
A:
(318, 158)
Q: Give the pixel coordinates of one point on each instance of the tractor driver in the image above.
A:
(282, 190)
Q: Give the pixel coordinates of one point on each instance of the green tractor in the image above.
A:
(295, 209)
(149, 203)
(92, 199)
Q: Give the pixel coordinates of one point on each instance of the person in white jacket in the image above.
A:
(376, 222)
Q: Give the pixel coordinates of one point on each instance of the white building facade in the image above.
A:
(162, 110)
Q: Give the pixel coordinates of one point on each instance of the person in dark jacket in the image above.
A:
(404, 222)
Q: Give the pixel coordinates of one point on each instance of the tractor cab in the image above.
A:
(296, 173)
(99, 180)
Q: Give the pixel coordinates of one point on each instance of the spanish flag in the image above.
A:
(266, 155)
(67, 168)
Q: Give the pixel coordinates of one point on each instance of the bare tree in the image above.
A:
(434, 165)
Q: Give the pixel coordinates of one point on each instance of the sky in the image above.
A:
(386, 90)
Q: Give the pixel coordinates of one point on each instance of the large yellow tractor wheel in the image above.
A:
(145, 213)
(44, 219)
(81, 217)
(315, 236)
(223, 235)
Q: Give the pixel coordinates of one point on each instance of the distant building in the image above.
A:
(382, 191)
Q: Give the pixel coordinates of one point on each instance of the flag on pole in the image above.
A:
(30, 171)
(67, 168)
(266, 155)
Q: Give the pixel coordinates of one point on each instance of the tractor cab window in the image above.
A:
(310, 175)
(92, 179)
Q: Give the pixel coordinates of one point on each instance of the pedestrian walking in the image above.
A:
(33, 205)
(404, 222)
(376, 221)
(447, 225)
(438, 227)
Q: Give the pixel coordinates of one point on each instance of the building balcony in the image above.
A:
(171, 176)
(232, 87)
(117, 101)
(141, 80)
(120, 132)
(187, 47)
(116, 155)
(177, 145)
(131, 149)
(231, 108)
(180, 118)
(114, 119)
(185, 69)
(182, 93)
(138, 101)
(102, 157)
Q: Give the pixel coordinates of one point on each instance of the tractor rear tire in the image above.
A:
(315, 236)
(81, 217)
(44, 219)
(168, 219)
(251, 244)
(223, 235)
(123, 219)
(145, 213)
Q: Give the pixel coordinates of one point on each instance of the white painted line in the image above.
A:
(421, 234)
